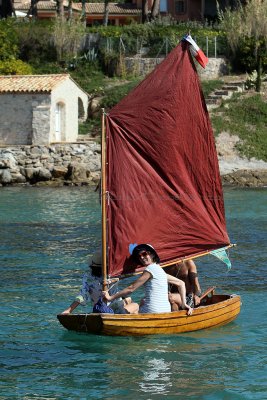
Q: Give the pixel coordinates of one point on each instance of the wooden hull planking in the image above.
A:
(221, 310)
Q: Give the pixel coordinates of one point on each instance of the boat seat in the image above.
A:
(204, 299)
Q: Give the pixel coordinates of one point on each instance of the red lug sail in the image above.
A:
(163, 178)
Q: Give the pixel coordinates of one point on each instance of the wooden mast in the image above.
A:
(103, 201)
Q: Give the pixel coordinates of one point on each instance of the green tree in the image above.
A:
(248, 22)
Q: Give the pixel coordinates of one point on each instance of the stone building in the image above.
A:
(40, 109)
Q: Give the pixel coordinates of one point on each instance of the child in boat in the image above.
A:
(187, 272)
(91, 289)
(155, 282)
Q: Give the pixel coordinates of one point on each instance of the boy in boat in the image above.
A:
(91, 289)
(155, 282)
(187, 272)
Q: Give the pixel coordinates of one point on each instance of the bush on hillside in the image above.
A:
(8, 40)
(244, 59)
(36, 42)
(67, 38)
(15, 67)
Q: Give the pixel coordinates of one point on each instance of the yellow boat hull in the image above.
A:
(220, 310)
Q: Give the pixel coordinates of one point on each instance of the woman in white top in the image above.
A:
(155, 282)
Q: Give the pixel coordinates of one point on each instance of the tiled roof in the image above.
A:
(30, 83)
(41, 5)
(91, 8)
(114, 8)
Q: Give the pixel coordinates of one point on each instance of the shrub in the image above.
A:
(244, 59)
(15, 67)
(36, 42)
(8, 40)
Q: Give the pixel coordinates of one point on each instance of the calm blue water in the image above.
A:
(46, 235)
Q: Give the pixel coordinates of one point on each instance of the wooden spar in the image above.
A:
(179, 260)
(103, 202)
(193, 257)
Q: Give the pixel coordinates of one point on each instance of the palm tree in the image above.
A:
(106, 13)
(155, 9)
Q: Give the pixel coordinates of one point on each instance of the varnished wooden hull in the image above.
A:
(221, 310)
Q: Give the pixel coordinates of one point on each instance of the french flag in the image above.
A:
(196, 51)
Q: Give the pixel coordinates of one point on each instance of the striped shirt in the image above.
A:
(156, 291)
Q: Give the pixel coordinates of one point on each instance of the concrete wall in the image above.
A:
(67, 97)
(17, 117)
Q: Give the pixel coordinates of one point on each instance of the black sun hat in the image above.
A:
(146, 247)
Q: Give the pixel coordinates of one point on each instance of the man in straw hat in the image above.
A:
(91, 289)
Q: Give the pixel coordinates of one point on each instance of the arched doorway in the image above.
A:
(81, 112)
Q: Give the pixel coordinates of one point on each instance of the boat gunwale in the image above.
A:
(205, 309)
(174, 314)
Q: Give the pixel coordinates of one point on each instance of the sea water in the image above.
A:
(46, 236)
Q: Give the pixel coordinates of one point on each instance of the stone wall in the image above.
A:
(216, 67)
(16, 113)
(79, 164)
(59, 164)
(40, 125)
(141, 65)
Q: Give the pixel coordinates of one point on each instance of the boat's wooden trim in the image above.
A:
(176, 322)
(224, 309)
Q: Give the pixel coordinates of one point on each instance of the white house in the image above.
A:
(40, 109)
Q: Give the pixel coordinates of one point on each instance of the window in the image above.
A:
(180, 6)
(163, 6)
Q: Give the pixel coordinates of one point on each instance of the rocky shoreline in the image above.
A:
(78, 164)
(246, 178)
(54, 165)
(236, 170)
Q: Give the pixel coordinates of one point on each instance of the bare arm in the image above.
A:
(193, 278)
(71, 308)
(130, 289)
(182, 291)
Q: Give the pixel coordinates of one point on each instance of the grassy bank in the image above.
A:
(110, 91)
(245, 115)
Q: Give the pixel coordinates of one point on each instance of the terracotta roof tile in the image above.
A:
(91, 8)
(41, 5)
(30, 83)
(114, 8)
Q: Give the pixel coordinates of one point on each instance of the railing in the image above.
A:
(212, 46)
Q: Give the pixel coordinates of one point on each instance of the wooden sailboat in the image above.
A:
(160, 185)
